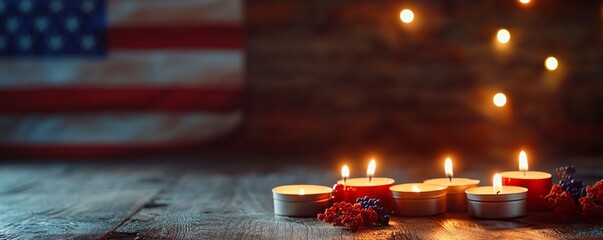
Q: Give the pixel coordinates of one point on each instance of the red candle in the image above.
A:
(537, 183)
(373, 187)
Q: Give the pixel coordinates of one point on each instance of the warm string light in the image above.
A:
(503, 36)
(499, 99)
(407, 16)
(551, 63)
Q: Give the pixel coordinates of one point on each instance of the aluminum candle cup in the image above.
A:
(418, 199)
(300, 200)
(484, 202)
(456, 198)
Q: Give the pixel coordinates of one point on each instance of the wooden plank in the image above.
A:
(18, 178)
(209, 204)
(218, 205)
(72, 201)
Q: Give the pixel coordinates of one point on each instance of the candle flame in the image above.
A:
(302, 192)
(523, 161)
(448, 167)
(370, 171)
(497, 183)
(415, 188)
(345, 171)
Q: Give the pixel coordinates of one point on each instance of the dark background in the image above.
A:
(347, 79)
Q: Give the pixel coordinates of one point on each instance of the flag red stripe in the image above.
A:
(132, 99)
(179, 37)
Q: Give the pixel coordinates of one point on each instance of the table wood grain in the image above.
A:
(213, 200)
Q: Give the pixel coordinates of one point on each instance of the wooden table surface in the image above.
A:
(214, 200)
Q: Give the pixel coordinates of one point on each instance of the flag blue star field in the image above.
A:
(52, 28)
(109, 77)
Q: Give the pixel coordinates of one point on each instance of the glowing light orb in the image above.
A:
(503, 36)
(407, 16)
(525, 1)
(551, 63)
(500, 100)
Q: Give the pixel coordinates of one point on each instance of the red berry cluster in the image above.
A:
(562, 204)
(342, 193)
(565, 209)
(349, 215)
(592, 204)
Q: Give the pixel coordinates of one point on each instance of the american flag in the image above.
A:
(105, 77)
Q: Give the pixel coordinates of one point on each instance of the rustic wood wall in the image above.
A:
(346, 76)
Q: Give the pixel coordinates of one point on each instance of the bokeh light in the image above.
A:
(407, 16)
(525, 1)
(551, 63)
(500, 100)
(503, 36)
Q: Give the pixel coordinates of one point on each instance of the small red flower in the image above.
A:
(592, 203)
(349, 215)
(562, 204)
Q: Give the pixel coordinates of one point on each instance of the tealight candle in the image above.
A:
(538, 183)
(455, 194)
(373, 187)
(300, 200)
(418, 199)
(496, 201)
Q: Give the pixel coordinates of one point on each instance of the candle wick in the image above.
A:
(524, 173)
(497, 192)
(370, 178)
(344, 179)
(450, 178)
